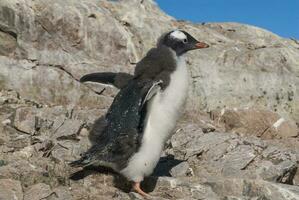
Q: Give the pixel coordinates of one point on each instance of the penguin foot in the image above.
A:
(136, 188)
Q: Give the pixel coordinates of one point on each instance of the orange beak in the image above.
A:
(201, 45)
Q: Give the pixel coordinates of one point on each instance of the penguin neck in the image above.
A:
(178, 58)
(159, 63)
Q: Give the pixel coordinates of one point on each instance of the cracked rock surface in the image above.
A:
(238, 138)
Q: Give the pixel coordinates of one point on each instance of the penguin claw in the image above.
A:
(136, 188)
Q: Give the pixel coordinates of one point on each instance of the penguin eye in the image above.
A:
(185, 41)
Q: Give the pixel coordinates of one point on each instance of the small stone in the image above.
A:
(10, 189)
(168, 182)
(135, 196)
(69, 130)
(239, 158)
(25, 120)
(6, 149)
(6, 122)
(37, 192)
(180, 169)
(26, 152)
(62, 193)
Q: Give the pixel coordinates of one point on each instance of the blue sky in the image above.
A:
(278, 16)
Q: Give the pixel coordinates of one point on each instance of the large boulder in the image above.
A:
(48, 45)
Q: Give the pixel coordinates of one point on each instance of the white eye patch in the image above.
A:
(178, 35)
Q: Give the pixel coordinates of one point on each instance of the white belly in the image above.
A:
(163, 111)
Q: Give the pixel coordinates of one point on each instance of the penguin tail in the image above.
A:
(92, 157)
(82, 162)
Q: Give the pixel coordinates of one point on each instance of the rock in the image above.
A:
(135, 196)
(195, 143)
(261, 123)
(181, 188)
(181, 169)
(69, 150)
(237, 159)
(68, 130)
(283, 172)
(25, 120)
(23, 170)
(37, 192)
(61, 193)
(254, 189)
(99, 186)
(10, 189)
(6, 122)
(26, 152)
(185, 133)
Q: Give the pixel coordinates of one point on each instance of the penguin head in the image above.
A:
(180, 41)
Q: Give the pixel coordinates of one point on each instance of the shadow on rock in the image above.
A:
(90, 170)
(165, 164)
(149, 184)
(162, 169)
(119, 181)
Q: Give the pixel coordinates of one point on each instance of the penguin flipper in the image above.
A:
(118, 80)
(156, 86)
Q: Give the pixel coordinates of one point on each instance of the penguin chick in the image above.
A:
(144, 112)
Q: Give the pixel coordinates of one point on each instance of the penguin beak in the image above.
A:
(201, 45)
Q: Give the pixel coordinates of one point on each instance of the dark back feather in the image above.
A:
(123, 132)
(157, 65)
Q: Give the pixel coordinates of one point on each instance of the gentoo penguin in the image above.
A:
(144, 112)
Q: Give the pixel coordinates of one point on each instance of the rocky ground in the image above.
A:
(238, 138)
(202, 160)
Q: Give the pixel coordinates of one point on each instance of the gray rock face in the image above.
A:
(47, 115)
(50, 44)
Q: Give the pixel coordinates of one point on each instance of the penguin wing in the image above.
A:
(156, 86)
(118, 80)
(123, 133)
